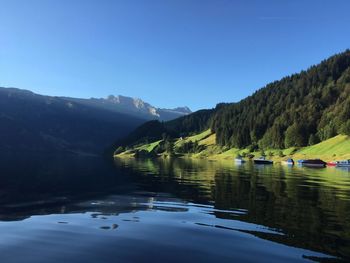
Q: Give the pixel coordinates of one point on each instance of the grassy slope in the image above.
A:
(336, 148)
(198, 137)
(148, 147)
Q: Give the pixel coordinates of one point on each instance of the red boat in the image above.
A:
(331, 163)
(344, 163)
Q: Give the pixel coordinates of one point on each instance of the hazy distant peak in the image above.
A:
(119, 99)
(140, 103)
(133, 104)
(184, 109)
(142, 107)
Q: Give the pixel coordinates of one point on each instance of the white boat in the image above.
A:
(343, 163)
(288, 162)
(239, 160)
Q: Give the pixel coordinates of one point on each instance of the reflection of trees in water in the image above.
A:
(306, 204)
(168, 175)
(310, 214)
(269, 203)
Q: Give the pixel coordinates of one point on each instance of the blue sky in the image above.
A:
(169, 53)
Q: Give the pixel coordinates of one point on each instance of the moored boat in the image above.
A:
(262, 160)
(239, 160)
(313, 163)
(343, 163)
(300, 162)
(289, 162)
(332, 163)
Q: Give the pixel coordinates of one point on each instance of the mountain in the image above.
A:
(37, 123)
(298, 110)
(133, 106)
(32, 122)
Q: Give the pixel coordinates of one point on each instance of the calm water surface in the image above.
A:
(187, 210)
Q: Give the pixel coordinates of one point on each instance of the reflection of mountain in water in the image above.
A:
(310, 206)
(38, 177)
(100, 205)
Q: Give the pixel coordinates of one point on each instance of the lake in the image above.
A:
(144, 210)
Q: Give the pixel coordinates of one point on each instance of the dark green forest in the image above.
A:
(298, 110)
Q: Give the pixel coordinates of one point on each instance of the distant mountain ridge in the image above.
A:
(30, 122)
(133, 106)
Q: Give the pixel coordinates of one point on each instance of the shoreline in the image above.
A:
(333, 149)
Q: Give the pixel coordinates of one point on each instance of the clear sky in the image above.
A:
(167, 52)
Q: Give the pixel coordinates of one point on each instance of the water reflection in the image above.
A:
(310, 206)
(143, 227)
(174, 210)
(34, 179)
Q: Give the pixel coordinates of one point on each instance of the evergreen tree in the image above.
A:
(345, 129)
(313, 139)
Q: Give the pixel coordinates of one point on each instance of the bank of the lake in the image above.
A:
(204, 145)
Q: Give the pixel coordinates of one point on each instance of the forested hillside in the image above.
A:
(298, 110)
(155, 130)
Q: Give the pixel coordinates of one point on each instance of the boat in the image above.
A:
(343, 163)
(262, 160)
(332, 163)
(289, 162)
(313, 163)
(239, 160)
(300, 162)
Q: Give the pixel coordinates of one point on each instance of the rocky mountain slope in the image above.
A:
(133, 106)
(31, 122)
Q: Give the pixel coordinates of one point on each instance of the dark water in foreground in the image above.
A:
(181, 210)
